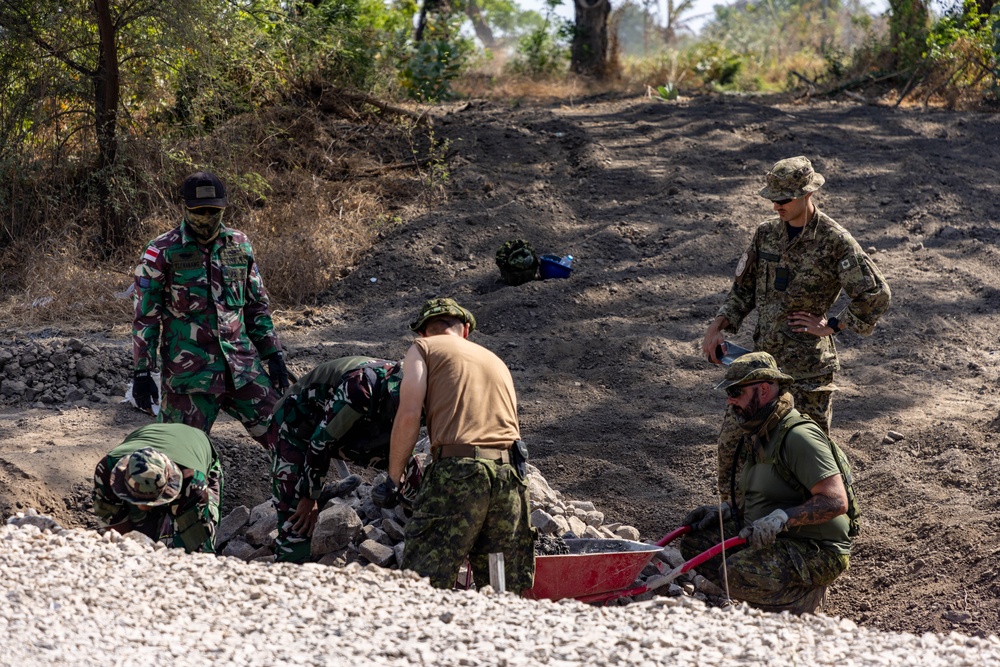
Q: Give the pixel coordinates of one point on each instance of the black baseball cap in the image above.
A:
(204, 189)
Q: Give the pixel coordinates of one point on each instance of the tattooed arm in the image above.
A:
(828, 501)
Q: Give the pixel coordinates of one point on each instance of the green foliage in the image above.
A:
(543, 51)
(430, 68)
(667, 91)
(715, 64)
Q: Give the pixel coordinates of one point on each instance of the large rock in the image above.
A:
(232, 524)
(377, 553)
(393, 529)
(263, 520)
(239, 549)
(88, 367)
(545, 523)
(336, 527)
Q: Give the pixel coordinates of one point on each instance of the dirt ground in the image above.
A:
(656, 201)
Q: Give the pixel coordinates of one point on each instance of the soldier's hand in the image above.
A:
(803, 322)
(707, 516)
(385, 495)
(303, 519)
(765, 530)
(144, 390)
(713, 339)
(277, 371)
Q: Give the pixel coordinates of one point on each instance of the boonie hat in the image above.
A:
(753, 367)
(791, 178)
(146, 477)
(437, 307)
(204, 189)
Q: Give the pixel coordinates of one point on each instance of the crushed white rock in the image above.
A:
(74, 597)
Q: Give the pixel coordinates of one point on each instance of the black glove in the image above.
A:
(144, 390)
(706, 517)
(277, 371)
(385, 495)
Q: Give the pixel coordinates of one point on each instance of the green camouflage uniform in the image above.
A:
(342, 408)
(190, 520)
(206, 310)
(471, 507)
(820, 262)
(792, 573)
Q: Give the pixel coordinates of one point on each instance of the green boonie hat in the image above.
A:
(437, 307)
(754, 367)
(791, 178)
(146, 477)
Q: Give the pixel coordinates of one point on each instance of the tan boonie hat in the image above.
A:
(791, 178)
(437, 307)
(146, 477)
(753, 367)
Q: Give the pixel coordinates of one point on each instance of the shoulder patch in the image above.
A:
(151, 254)
(741, 266)
(848, 262)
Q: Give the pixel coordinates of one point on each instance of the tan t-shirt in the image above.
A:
(470, 394)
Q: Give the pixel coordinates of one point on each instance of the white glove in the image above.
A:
(763, 531)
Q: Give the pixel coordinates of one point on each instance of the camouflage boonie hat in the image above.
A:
(517, 262)
(437, 307)
(791, 178)
(754, 367)
(146, 477)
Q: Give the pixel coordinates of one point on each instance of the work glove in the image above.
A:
(706, 517)
(277, 371)
(385, 494)
(763, 531)
(144, 390)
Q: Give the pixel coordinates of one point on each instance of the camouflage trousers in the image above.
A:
(817, 403)
(287, 465)
(251, 404)
(471, 508)
(790, 575)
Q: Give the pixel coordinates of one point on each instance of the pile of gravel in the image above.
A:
(51, 372)
(74, 597)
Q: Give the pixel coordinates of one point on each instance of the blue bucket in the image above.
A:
(554, 266)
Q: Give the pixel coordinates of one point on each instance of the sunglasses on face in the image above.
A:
(737, 390)
(205, 210)
(782, 202)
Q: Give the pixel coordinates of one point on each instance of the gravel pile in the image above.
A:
(47, 373)
(73, 597)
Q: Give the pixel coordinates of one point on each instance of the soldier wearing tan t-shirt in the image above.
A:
(473, 501)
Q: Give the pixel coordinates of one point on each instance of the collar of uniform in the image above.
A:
(187, 238)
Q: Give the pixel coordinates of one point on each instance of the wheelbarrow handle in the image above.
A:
(709, 554)
(673, 535)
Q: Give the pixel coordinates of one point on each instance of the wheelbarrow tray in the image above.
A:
(591, 567)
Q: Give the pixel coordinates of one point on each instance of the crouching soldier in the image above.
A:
(164, 480)
(343, 409)
(797, 514)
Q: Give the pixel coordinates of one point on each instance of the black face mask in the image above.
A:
(204, 223)
(755, 414)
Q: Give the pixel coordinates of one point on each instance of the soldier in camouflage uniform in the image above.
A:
(795, 547)
(201, 301)
(342, 409)
(792, 274)
(473, 499)
(164, 480)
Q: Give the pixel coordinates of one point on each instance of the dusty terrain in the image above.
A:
(656, 200)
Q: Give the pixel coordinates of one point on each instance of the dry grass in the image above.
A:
(311, 190)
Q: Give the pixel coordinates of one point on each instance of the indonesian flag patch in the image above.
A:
(151, 254)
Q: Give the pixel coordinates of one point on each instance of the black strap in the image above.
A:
(737, 511)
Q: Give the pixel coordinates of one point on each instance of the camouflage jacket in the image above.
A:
(777, 277)
(344, 404)
(207, 310)
(198, 501)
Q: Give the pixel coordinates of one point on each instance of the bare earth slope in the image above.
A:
(656, 201)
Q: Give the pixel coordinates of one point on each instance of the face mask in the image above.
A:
(204, 224)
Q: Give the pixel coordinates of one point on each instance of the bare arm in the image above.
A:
(406, 425)
(828, 501)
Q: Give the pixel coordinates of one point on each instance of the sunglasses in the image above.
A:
(205, 210)
(737, 390)
(782, 202)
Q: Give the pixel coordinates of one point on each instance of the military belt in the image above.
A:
(473, 452)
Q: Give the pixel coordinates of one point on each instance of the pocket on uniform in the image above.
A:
(188, 294)
(234, 285)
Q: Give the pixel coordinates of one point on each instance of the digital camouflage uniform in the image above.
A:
(791, 574)
(777, 277)
(189, 520)
(341, 409)
(204, 307)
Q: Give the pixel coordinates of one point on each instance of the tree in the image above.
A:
(908, 23)
(589, 48)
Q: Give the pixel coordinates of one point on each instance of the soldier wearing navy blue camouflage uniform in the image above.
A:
(343, 409)
(797, 528)
(794, 270)
(202, 317)
(165, 481)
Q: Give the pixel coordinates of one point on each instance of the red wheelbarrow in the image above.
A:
(599, 570)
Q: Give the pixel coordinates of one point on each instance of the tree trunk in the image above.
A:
(589, 51)
(479, 24)
(106, 99)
